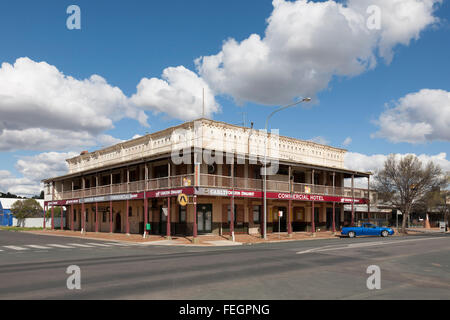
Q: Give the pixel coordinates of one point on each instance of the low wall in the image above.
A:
(38, 223)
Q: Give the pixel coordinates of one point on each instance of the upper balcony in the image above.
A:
(211, 181)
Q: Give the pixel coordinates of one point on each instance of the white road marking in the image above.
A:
(34, 246)
(99, 244)
(60, 246)
(80, 245)
(15, 248)
(363, 244)
(119, 244)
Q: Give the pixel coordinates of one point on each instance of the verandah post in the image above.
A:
(96, 217)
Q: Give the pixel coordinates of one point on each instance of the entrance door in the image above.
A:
(204, 218)
(337, 217)
(118, 224)
(162, 220)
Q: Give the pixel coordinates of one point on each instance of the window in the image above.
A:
(161, 171)
(74, 215)
(256, 214)
(116, 178)
(104, 216)
(130, 211)
(182, 213)
(87, 215)
(229, 214)
(300, 214)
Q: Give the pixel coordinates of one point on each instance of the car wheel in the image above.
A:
(351, 234)
(384, 234)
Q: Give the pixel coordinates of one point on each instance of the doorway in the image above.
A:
(337, 217)
(118, 224)
(204, 218)
(162, 220)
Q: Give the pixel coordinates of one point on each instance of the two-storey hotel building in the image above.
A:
(133, 187)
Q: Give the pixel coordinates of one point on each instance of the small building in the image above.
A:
(6, 216)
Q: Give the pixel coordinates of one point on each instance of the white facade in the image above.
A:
(212, 135)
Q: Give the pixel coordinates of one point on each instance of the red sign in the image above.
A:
(278, 195)
(118, 197)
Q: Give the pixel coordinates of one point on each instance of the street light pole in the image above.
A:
(265, 158)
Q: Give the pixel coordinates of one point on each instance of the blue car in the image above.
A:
(367, 229)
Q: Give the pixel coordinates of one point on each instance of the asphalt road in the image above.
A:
(413, 267)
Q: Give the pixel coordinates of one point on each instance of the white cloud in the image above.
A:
(418, 117)
(38, 102)
(179, 94)
(347, 141)
(33, 169)
(36, 139)
(19, 186)
(373, 163)
(307, 43)
(44, 165)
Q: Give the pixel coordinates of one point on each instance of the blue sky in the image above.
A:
(125, 41)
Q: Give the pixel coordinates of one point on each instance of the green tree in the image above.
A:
(26, 209)
(405, 183)
(56, 212)
(40, 196)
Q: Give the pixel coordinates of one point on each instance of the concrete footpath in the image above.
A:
(203, 240)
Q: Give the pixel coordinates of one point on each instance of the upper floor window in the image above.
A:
(161, 171)
(116, 178)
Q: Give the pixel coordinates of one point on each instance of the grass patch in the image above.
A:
(15, 229)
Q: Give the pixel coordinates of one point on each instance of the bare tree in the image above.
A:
(404, 183)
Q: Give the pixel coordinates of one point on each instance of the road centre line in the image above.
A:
(34, 246)
(364, 244)
(60, 246)
(15, 248)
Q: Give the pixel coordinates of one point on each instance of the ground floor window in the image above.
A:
(299, 214)
(182, 214)
(256, 214)
(229, 213)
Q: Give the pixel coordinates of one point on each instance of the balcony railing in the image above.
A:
(210, 181)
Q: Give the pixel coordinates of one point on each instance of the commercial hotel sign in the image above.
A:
(276, 195)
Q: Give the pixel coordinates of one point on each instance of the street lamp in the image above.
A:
(265, 158)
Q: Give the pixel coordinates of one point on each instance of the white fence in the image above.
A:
(38, 223)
